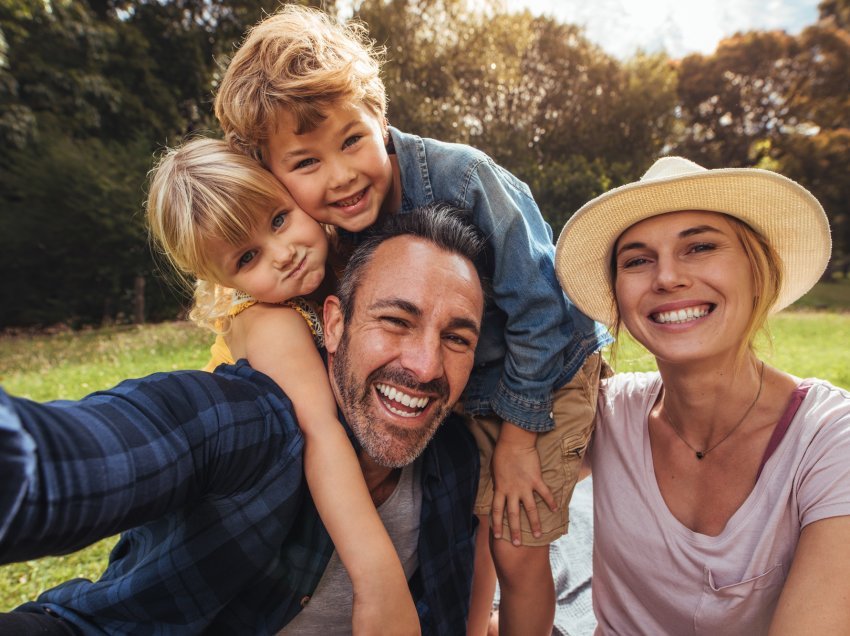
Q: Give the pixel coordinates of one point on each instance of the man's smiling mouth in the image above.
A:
(400, 403)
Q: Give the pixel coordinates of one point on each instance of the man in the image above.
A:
(205, 469)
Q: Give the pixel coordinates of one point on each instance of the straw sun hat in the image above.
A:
(784, 212)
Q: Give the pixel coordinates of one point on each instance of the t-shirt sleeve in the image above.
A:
(823, 483)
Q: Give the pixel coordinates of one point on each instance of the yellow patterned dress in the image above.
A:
(220, 352)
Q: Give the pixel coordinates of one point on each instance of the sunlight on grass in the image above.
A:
(69, 366)
(74, 364)
(806, 344)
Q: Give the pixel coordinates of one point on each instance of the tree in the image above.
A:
(817, 151)
(89, 90)
(777, 101)
(737, 96)
(533, 93)
(72, 267)
(820, 163)
(836, 11)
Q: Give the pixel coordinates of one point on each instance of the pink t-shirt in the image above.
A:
(651, 574)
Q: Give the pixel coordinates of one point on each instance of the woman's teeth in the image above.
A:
(681, 315)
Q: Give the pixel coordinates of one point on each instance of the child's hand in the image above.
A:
(516, 477)
(386, 608)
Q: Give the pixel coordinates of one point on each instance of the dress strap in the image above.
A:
(310, 314)
(237, 302)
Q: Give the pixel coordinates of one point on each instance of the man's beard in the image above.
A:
(388, 445)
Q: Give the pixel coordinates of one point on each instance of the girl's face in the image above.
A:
(283, 257)
(684, 286)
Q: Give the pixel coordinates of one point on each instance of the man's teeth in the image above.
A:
(344, 203)
(394, 395)
(681, 315)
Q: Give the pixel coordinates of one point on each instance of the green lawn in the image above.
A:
(70, 365)
(805, 343)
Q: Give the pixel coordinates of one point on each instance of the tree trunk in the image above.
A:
(139, 300)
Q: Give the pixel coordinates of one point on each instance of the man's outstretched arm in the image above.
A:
(74, 472)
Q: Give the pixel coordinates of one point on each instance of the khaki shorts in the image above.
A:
(561, 452)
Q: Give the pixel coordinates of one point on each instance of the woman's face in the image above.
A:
(684, 286)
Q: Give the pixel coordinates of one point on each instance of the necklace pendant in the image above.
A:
(700, 454)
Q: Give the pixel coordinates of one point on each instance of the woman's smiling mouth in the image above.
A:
(679, 316)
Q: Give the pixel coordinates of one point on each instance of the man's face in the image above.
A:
(403, 359)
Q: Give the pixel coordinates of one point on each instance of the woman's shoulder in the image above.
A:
(826, 389)
(632, 383)
(625, 394)
(826, 403)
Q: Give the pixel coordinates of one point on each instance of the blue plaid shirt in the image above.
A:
(203, 473)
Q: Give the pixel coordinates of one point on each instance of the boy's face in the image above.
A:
(340, 172)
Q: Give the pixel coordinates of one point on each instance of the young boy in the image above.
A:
(304, 95)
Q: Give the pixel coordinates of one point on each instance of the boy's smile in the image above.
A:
(340, 172)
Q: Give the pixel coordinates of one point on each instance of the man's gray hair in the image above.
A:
(444, 225)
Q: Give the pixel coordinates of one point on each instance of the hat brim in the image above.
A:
(785, 213)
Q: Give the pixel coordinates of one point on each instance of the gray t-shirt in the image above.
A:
(329, 609)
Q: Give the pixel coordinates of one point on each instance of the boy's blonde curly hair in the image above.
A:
(198, 191)
(298, 60)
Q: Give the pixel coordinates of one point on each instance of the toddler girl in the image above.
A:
(258, 264)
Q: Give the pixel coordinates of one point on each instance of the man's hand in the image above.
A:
(516, 477)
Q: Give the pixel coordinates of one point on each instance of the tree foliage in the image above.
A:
(536, 95)
(90, 90)
(835, 12)
(779, 101)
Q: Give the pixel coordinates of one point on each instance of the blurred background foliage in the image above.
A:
(91, 90)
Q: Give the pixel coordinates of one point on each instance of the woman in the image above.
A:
(721, 484)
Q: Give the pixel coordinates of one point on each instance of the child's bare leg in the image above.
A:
(483, 581)
(527, 605)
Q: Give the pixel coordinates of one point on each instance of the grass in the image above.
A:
(809, 339)
(73, 364)
(70, 365)
(805, 343)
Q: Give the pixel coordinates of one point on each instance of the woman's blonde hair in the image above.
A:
(202, 190)
(766, 270)
(299, 61)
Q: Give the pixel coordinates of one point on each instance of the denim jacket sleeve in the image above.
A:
(538, 328)
(531, 332)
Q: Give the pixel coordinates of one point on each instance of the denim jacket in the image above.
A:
(533, 338)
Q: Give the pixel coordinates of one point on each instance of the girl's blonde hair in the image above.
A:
(766, 270)
(203, 190)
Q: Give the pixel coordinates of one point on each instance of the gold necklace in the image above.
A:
(702, 453)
